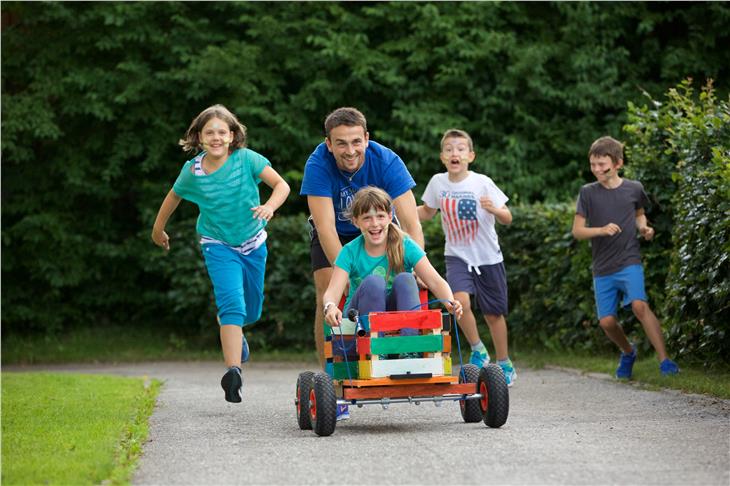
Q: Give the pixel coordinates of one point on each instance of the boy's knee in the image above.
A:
(639, 308)
(608, 322)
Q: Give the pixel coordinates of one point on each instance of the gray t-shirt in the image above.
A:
(601, 206)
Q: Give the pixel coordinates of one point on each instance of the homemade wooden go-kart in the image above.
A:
(369, 362)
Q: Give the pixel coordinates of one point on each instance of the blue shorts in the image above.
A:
(238, 282)
(627, 283)
(489, 286)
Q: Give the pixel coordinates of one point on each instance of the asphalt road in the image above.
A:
(563, 428)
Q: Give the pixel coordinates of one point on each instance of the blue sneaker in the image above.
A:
(479, 359)
(668, 367)
(509, 371)
(343, 412)
(244, 351)
(626, 364)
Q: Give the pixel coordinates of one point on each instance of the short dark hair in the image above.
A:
(348, 116)
(607, 146)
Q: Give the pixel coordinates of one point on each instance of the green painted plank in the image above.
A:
(340, 370)
(429, 343)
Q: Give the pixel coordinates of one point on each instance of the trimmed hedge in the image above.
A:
(682, 145)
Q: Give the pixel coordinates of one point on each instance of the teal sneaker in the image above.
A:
(479, 359)
(343, 412)
(509, 371)
(668, 367)
(626, 364)
(244, 351)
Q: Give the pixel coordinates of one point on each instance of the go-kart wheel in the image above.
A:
(494, 403)
(470, 410)
(304, 385)
(323, 405)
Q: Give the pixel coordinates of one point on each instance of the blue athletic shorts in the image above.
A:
(489, 286)
(626, 284)
(238, 282)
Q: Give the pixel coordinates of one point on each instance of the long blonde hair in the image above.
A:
(375, 198)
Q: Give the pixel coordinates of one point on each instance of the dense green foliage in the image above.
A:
(682, 145)
(96, 95)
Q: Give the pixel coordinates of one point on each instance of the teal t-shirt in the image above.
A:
(226, 196)
(354, 259)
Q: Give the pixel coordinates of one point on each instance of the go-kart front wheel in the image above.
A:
(322, 405)
(304, 385)
(494, 402)
(470, 410)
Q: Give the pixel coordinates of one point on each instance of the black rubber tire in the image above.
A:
(471, 411)
(304, 384)
(494, 403)
(323, 405)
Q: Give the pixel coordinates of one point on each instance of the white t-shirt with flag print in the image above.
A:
(469, 229)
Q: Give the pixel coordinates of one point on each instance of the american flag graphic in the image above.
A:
(460, 216)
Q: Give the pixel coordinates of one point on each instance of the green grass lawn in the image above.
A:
(62, 428)
(691, 379)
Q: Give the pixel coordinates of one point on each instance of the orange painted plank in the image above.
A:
(428, 390)
(392, 321)
(447, 343)
(410, 381)
(328, 349)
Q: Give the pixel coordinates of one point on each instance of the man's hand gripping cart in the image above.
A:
(369, 362)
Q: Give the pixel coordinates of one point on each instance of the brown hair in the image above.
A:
(348, 116)
(191, 141)
(456, 133)
(369, 198)
(607, 146)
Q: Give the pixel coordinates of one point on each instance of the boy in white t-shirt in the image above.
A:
(469, 204)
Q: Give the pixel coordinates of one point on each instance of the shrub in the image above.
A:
(684, 146)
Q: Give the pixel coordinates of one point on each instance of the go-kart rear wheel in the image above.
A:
(323, 405)
(304, 385)
(494, 403)
(470, 410)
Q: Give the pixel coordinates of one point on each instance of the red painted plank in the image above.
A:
(392, 321)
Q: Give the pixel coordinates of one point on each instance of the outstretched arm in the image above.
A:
(503, 215)
(169, 204)
(405, 209)
(280, 191)
(323, 215)
(426, 213)
(333, 294)
(643, 225)
(438, 286)
(583, 232)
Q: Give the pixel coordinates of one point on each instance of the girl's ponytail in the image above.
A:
(394, 249)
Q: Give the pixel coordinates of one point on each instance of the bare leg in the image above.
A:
(498, 329)
(652, 327)
(321, 281)
(615, 333)
(468, 322)
(231, 341)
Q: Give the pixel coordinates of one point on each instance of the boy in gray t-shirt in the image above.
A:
(610, 212)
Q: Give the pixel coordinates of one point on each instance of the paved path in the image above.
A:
(563, 428)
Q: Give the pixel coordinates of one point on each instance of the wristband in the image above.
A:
(327, 306)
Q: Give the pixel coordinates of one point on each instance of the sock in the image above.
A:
(504, 361)
(479, 347)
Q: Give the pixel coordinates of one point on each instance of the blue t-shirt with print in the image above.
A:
(356, 261)
(382, 168)
(226, 196)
